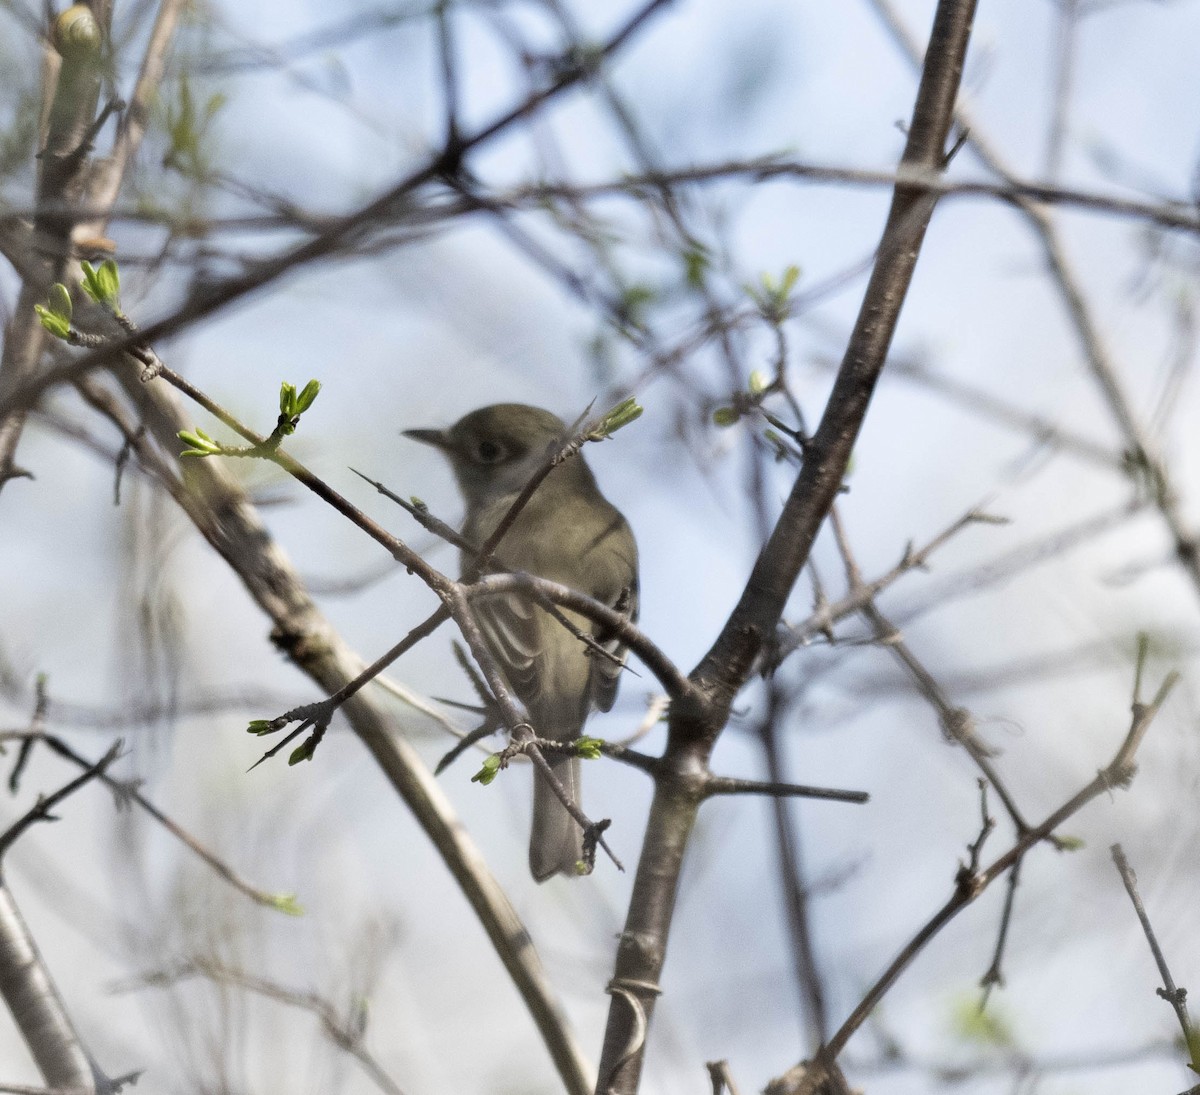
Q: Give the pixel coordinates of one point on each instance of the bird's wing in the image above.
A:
(511, 628)
(606, 673)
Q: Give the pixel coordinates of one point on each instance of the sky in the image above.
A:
(416, 335)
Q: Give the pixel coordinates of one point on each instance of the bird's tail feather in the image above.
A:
(556, 840)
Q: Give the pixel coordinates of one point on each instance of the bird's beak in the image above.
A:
(436, 438)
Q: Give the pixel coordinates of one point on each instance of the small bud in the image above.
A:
(287, 398)
(619, 417)
(287, 903)
(588, 748)
(55, 314)
(200, 444)
(307, 395)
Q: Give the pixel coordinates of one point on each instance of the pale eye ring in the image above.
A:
(490, 452)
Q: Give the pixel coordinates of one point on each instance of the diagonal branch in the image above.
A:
(222, 514)
(1175, 995)
(969, 884)
(695, 724)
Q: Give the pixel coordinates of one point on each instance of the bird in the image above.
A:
(567, 532)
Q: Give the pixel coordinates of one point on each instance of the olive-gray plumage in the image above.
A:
(567, 532)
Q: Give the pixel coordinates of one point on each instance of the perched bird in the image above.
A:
(567, 532)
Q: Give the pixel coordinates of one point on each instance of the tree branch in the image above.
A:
(694, 726)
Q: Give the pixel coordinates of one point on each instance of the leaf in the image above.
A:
(103, 285)
(304, 751)
(199, 443)
(55, 324)
(307, 396)
(628, 410)
(58, 299)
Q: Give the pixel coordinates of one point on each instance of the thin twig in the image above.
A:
(127, 791)
(219, 509)
(957, 722)
(1174, 215)
(697, 722)
(725, 785)
(347, 1032)
(1141, 446)
(1173, 994)
(40, 811)
(721, 1077)
(523, 736)
(994, 976)
(825, 616)
(1117, 773)
(18, 395)
(797, 892)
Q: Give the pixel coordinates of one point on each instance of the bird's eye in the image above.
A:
(489, 452)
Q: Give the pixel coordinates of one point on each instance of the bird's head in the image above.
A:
(495, 450)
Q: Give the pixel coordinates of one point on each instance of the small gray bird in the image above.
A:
(568, 532)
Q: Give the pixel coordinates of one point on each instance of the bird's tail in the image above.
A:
(556, 840)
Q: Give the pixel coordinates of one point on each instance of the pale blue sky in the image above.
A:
(424, 333)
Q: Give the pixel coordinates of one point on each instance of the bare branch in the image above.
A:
(41, 810)
(969, 885)
(1174, 995)
(723, 785)
(347, 1032)
(724, 669)
(17, 395)
(221, 513)
(1174, 215)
